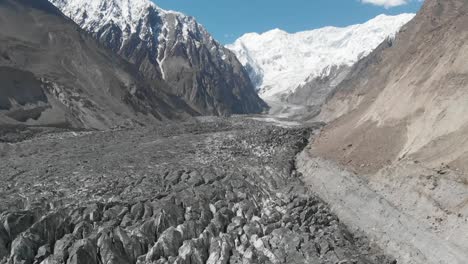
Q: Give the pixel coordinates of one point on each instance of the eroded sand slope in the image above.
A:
(409, 98)
(396, 140)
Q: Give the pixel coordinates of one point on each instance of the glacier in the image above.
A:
(279, 62)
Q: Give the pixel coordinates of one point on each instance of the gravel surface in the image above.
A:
(212, 190)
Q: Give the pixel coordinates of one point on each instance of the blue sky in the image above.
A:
(227, 20)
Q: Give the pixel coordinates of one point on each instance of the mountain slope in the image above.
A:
(414, 91)
(52, 73)
(397, 129)
(169, 45)
(279, 62)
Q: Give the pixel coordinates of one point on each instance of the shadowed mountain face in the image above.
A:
(53, 73)
(408, 99)
(172, 46)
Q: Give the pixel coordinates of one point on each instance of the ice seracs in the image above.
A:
(278, 62)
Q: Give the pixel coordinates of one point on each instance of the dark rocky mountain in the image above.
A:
(53, 73)
(172, 46)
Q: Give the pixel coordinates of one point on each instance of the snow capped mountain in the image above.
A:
(279, 62)
(171, 46)
(132, 17)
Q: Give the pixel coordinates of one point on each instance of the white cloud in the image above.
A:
(386, 3)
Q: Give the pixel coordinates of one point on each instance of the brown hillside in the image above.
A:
(409, 99)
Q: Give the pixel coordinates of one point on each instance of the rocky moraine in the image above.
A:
(212, 190)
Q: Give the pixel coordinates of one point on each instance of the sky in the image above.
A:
(227, 20)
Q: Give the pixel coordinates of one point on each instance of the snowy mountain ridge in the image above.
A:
(278, 62)
(133, 17)
(126, 14)
(171, 46)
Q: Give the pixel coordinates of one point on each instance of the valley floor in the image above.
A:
(206, 191)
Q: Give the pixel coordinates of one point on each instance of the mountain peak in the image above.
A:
(276, 31)
(126, 14)
(171, 46)
(279, 62)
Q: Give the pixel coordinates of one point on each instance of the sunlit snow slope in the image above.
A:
(278, 62)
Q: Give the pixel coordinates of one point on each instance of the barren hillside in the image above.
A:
(393, 158)
(54, 74)
(408, 99)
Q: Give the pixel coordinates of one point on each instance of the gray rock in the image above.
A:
(193, 251)
(167, 245)
(83, 252)
(15, 223)
(23, 249)
(42, 253)
(111, 249)
(61, 248)
(3, 243)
